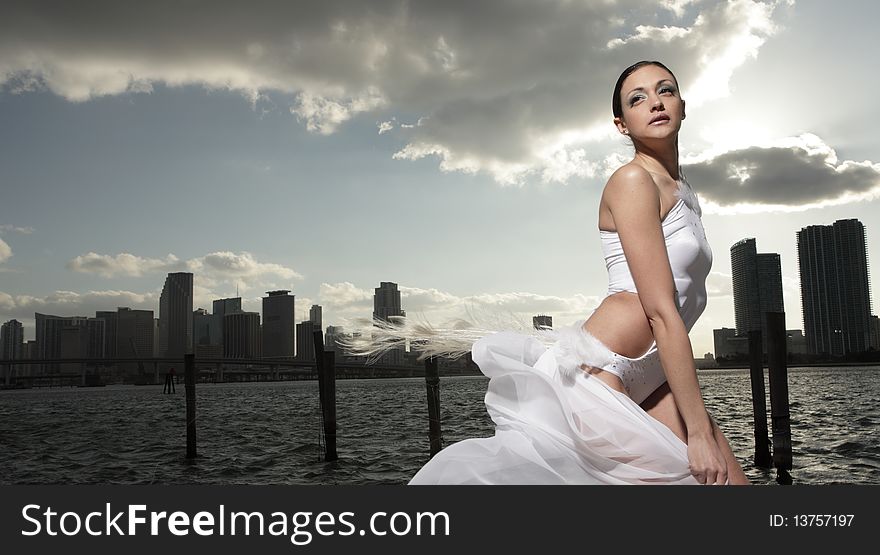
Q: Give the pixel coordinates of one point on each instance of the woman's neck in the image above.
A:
(662, 161)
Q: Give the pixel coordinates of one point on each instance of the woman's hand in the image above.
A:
(706, 462)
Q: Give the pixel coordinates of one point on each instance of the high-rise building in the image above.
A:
(279, 325)
(757, 287)
(48, 333)
(222, 307)
(11, 340)
(875, 332)
(835, 291)
(241, 335)
(331, 337)
(386, 303)
(315, 316)
(176, 315)
(110, 324)
(305, 341)
(202, 324)
(542, 321)
(12, 345)
(134, 333)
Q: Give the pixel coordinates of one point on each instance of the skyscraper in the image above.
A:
(835, 292)
(222, 307)
(386, 303)
(241, 335)
(134, 333)
(12, 345)
(109, 317)
(11, 340)
(176, 315)
(49, 330)
(757, 287)
(305, 341)
(315, 316)
(279, 325)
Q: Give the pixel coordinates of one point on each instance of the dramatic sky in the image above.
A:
(456, 148)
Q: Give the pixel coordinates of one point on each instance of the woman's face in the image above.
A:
(652, 106)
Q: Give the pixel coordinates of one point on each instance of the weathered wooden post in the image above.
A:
(326, 363)
(779, 414)
(432, 383)
(759, 399)
(189, 378)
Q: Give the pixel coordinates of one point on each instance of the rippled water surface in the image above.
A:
(268, 432)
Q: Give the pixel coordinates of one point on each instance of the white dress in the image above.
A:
(555, 424)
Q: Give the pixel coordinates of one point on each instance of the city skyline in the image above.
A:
(459, 153)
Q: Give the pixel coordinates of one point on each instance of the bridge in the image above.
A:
(92, 370)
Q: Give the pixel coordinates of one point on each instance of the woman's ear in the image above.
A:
(683, 115)
(621, 126)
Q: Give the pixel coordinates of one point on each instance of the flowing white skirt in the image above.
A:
(555, 427)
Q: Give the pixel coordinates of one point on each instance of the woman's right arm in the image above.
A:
(634, 202)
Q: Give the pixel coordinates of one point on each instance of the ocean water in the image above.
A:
(269, 432)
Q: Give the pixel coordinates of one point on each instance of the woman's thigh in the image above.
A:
(661, 405)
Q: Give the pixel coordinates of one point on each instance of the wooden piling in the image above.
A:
(779, 412)
(326, 362)
(759, 400)
(432, 383)
(189, 378)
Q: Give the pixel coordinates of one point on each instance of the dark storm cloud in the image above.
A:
(804, 172)
(490, 81)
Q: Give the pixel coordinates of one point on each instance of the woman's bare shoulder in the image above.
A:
(628, 183)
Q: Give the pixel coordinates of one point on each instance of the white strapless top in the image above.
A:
(689, 256)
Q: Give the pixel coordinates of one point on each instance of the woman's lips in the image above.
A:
(658, 121)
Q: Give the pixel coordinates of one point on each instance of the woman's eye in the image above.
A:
(667, 90)
(634, 99)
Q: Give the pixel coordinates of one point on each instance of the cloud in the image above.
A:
(241, 267)
(16, 229)
(123, 264)
(344, 295)
(5, 251)
(791, 174)
(515, 89)
(70, 303)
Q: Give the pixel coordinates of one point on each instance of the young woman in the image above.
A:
(613, 399)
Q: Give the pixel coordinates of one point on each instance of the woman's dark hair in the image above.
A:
(616, 104)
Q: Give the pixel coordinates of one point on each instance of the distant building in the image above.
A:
(315, 316)
(730, 345)
(176, 315)
(305, 341)
(331, 337)
(833, 266)
(209, 351)
(542, 322)
(11, 340)
(222, 307)
(135, 333)
(796, 342)
(109, 317)
(279, 325)
(386, 305)
(875, 332)
(49, 341)
(241, 335)
(757, 287)
(12, 345)
(202, 323)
